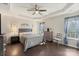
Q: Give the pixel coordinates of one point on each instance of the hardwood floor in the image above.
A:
(51, 49)
(14, 50)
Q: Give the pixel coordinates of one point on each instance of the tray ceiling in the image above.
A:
(20, 9)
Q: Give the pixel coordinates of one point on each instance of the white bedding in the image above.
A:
(32, 40)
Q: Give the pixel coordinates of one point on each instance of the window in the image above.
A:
(72, 26)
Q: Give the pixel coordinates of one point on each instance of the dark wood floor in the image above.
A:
(51, 49)
(14, 49)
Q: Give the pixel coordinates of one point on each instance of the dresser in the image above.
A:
(48, 36)
(1, 45)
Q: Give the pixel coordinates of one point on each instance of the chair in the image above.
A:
(58, 38)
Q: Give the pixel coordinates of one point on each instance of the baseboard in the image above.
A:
(68, 45)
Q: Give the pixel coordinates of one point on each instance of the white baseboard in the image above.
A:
(68, 45)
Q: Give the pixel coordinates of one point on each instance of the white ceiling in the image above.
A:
(53, 9)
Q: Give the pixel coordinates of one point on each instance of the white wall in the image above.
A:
(6, 21)
(57, 23)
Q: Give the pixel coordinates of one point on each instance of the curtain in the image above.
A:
(72, 28)
(65, 29)
(41, 28)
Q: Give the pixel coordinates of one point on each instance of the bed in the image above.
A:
(30, 39)
(26, 37)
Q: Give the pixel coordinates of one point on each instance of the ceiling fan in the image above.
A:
(36, 10)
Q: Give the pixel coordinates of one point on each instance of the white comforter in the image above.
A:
(32, 40)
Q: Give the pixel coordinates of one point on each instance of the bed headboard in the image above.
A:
(24, 30)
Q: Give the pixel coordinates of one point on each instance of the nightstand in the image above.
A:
(15, 39)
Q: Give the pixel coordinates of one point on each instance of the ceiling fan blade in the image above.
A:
(42, 10)
(33, 13)
(35, 5)
(30, 10)
(40, 13)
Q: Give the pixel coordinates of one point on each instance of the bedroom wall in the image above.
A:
(57, 23)
(6, 22)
